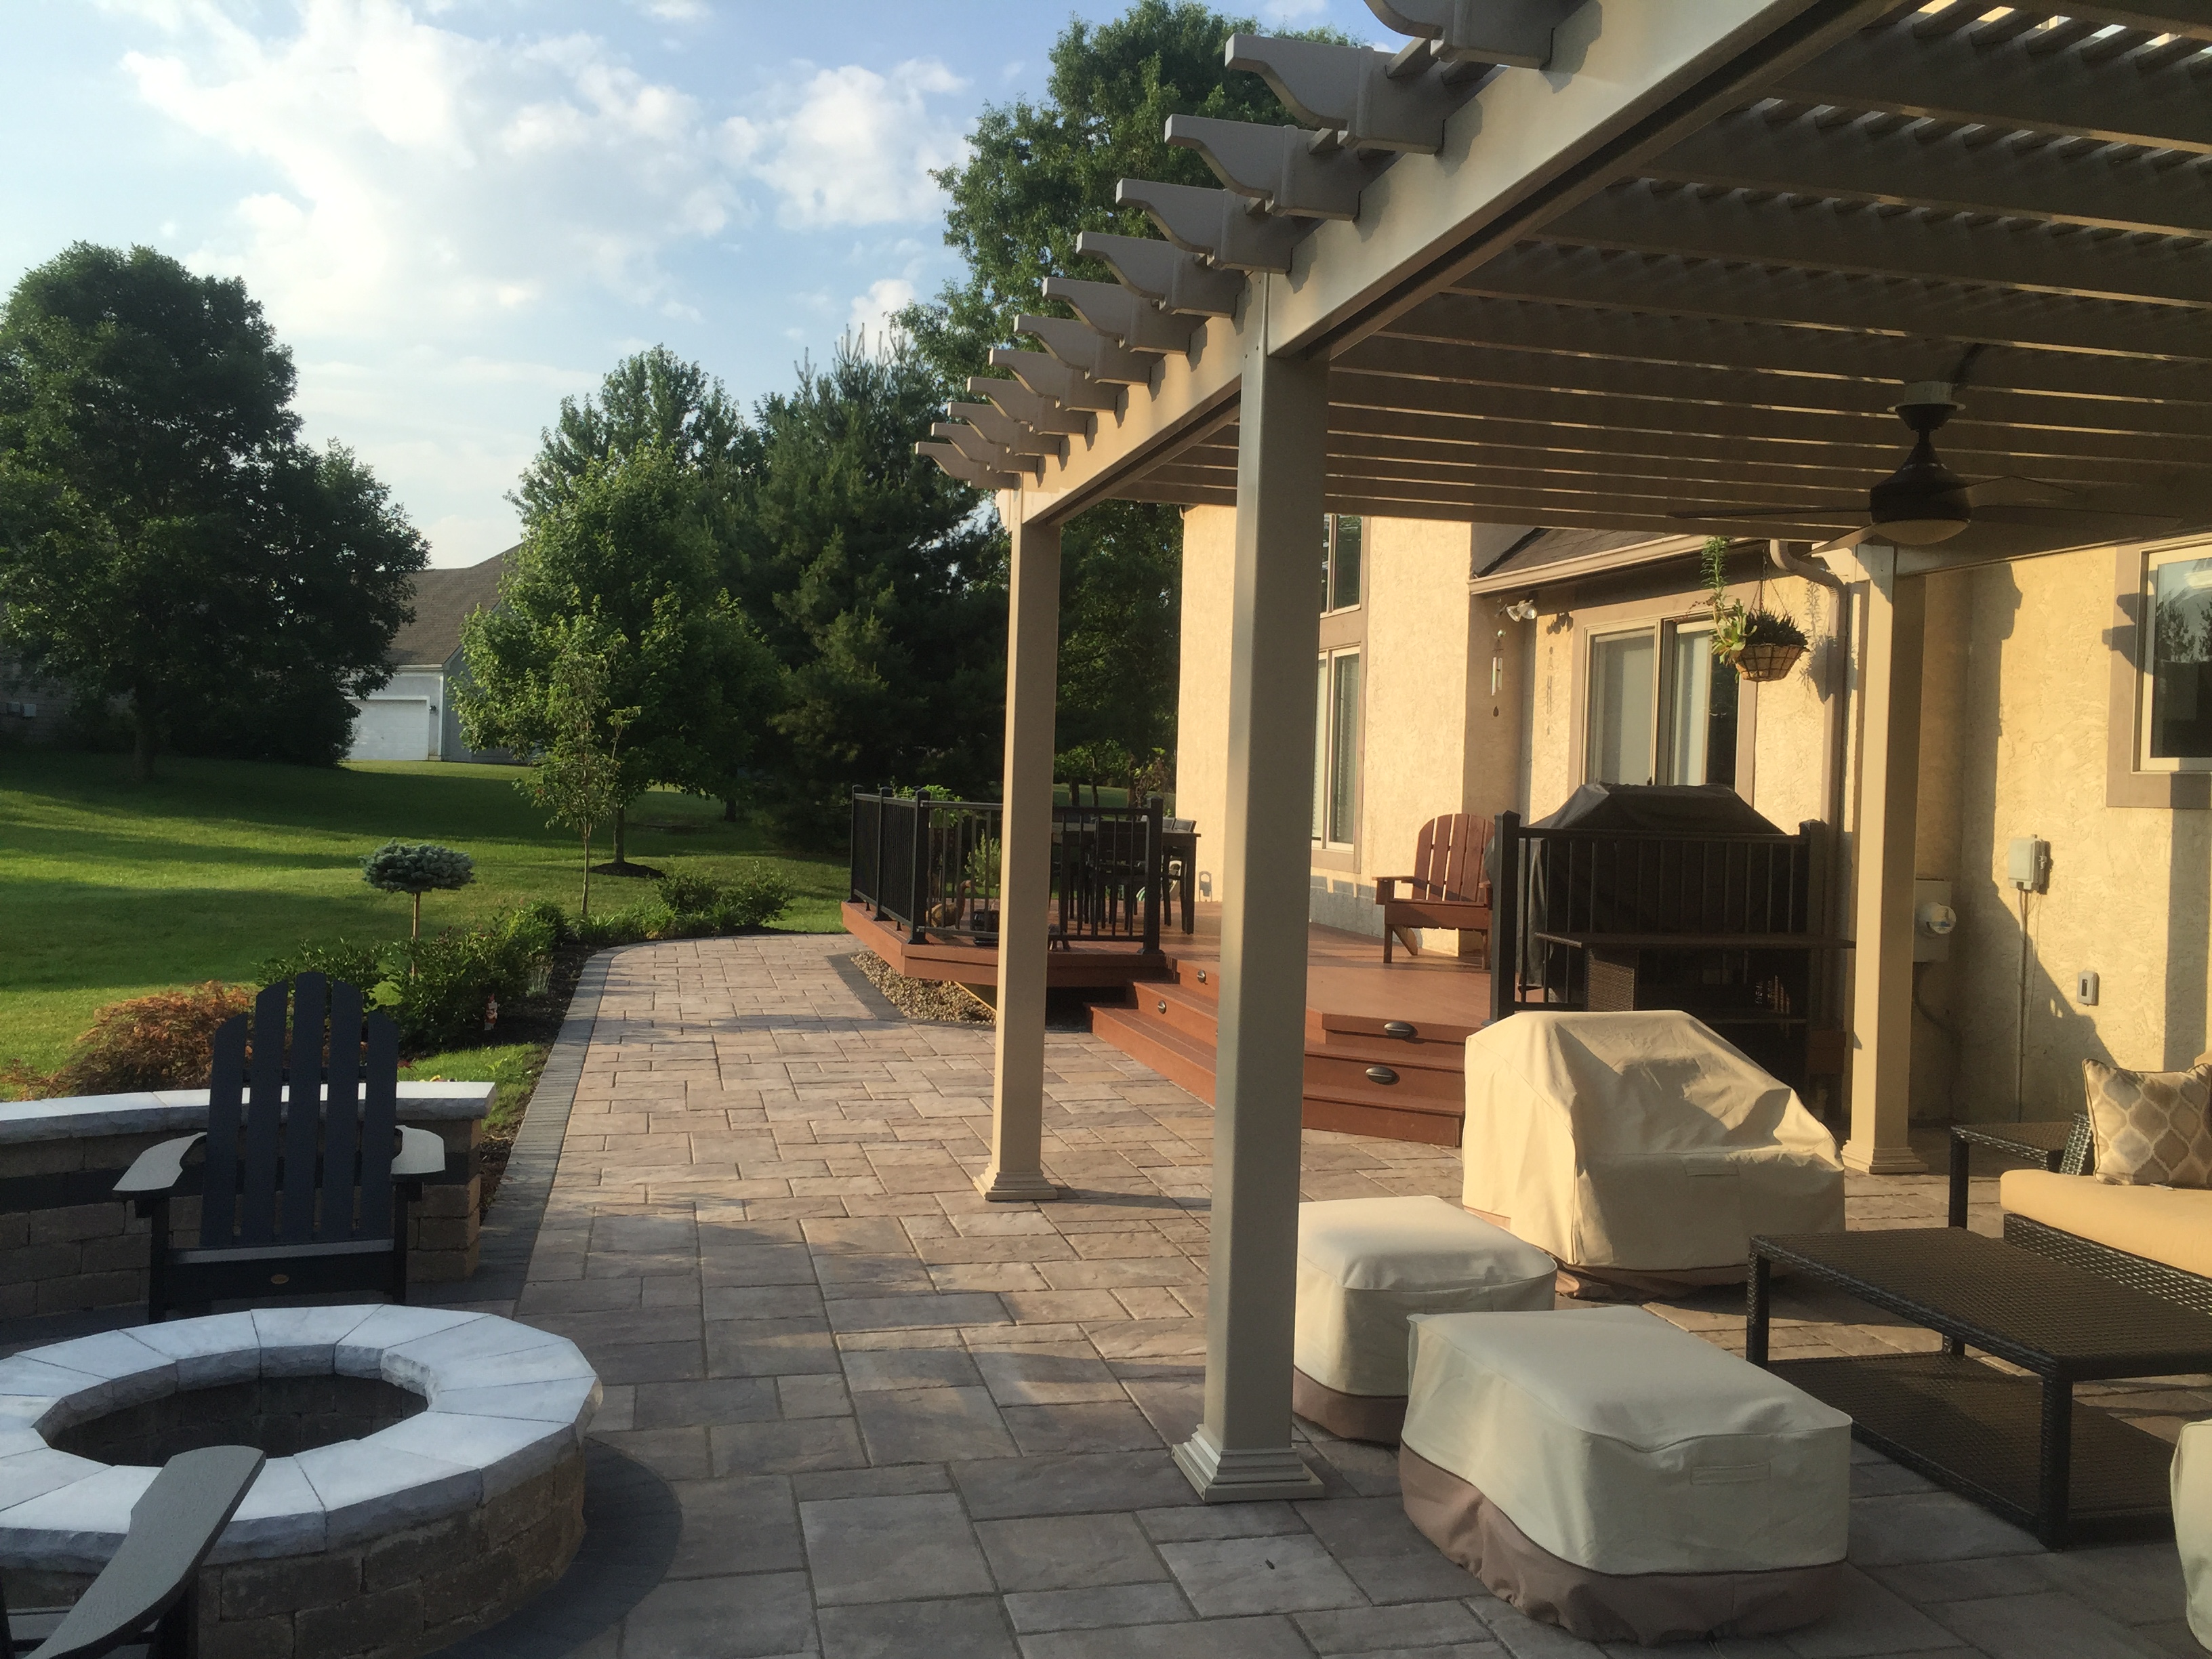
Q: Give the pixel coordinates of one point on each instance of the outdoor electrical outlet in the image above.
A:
(2027, 863)
(2085, 989)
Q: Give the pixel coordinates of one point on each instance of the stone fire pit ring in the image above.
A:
(391, 1543)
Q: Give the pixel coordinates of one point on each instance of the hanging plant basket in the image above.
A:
(1765, 661)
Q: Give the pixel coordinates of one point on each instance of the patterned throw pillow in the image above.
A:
(2152, 1128)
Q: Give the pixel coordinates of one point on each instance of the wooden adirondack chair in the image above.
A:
(1450, 885)
(293, 1202)
(146, 1600)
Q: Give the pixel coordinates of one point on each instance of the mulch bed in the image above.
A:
(534, 1019)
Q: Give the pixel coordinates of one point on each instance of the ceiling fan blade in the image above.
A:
(1844, 543)
(2009, 491)
(1803, 514)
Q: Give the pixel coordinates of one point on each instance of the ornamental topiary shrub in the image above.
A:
(415, 868)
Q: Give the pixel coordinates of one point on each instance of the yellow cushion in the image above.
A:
(2172, 1225)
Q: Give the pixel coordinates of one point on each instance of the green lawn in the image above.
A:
(109, 888)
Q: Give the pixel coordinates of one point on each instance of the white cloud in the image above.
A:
(1292, 11)
(853, 147)
(872, 312)
(676, 11)
(422, 175)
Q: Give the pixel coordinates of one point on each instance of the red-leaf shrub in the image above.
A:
(158, 1042)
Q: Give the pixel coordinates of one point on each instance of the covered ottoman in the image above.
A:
(1604, 1471)
(1640, 1149)
(2192, 1523)
(1364, 1264)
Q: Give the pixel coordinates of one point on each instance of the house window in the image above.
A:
(1336, 750)
(1661, 708)
(2175, 725)
(1340, 561)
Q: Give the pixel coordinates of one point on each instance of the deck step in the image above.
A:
(1182, 1059)
(1424, 1105)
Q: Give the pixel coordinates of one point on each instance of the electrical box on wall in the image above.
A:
(2027, 863)
(1933, 920)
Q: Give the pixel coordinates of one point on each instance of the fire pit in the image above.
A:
(426, 1471)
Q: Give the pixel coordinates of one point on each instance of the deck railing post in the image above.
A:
(1155, 871)
(918, 880)
(1505, 915)
(876, 893)
(853, 859)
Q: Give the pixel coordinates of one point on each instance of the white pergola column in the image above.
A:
(1889, 791)
(1016, 1172)
(1242, 1446)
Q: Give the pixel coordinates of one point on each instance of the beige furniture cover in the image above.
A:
(1617, 1442)
(1365, 1266)
(2192, 1523)
(2172, 1225)
(1639, 1141)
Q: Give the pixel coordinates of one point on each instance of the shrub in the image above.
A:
(440, 987)
(539, 926)
(417, 868)
(356, 963)
(682, 893)
(619, 927)
(754, 899)
(158, 1042)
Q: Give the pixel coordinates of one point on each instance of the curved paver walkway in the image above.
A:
(903, 1422)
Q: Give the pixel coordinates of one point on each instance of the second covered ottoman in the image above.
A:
(1367, 1264)
(1609, 1473)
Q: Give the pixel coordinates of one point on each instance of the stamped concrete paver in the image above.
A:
(902, 1421)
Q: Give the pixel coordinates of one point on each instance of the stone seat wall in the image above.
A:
(66, 1243)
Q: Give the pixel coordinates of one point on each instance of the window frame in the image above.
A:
(1330, 521)
(1325, 750)
(1668, 619)
(2149, 561)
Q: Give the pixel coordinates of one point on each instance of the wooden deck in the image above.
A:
(1094, 967)
(1361, 1078)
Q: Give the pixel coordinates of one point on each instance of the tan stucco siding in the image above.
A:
(2130, 888)
(1416, 667)
(1209, 546)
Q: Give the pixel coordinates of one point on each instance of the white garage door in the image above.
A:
(391, 729)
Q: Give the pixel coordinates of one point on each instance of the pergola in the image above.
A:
(1626, 264)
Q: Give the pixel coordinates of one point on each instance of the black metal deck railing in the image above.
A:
(933, 867)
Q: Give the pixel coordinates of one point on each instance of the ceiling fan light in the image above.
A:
(1918, 531)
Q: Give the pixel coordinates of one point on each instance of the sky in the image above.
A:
(456, 212)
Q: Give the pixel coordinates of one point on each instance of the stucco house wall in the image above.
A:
(1202, 693)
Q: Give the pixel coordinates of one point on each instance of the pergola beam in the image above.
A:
(2051, 418)
(2008, 87)
(1960, 171)
(1872, 241)
(1635, 336)
(1822, 300)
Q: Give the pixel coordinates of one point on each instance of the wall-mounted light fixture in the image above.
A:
(1523, 609)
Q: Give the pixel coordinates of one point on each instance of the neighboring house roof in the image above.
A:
(442, 601)
(1551, 555)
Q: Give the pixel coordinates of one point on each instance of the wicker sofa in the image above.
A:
(2157, 1239)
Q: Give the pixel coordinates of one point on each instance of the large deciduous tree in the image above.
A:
(1038, 174)
(880, 587)
(655, 397)
(165, 540)
(624, 544)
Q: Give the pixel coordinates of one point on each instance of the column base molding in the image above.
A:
(1248, 1476)
(1863, 1159)
(1017, 1187)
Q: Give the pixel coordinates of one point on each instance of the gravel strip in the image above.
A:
(935, 1001)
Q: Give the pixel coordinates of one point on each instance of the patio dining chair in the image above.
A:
(303, 1173)
(146, 1600)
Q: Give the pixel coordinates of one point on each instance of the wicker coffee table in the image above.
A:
(2018, 1445)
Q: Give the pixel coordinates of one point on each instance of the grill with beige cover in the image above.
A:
(1639, 1149)
(1603, 1470)
(1365, 1265)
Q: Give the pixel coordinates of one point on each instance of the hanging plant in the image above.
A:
(1761, 645)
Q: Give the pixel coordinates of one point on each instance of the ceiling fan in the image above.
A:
(1923, 501)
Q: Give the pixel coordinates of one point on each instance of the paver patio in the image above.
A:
(902, 1421)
